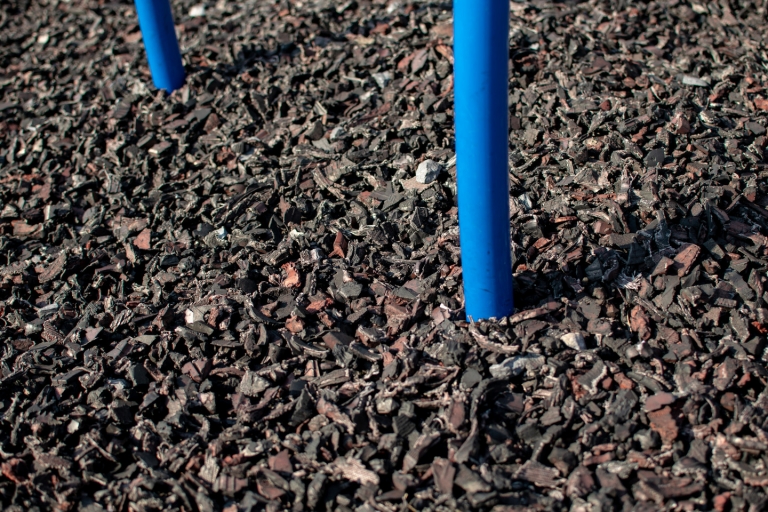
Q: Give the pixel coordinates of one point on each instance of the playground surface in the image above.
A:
(247, 295)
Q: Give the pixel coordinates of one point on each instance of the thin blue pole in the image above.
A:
(159, 35)
(481, 53)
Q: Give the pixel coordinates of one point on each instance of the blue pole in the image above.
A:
(159, 35)
(481, 53)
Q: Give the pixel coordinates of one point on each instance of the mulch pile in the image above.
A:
(247, 295)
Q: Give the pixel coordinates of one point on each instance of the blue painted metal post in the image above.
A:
(481, 53)
(159, 35)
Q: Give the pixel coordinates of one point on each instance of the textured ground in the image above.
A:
(239, 297)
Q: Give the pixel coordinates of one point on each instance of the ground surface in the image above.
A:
(240, 298)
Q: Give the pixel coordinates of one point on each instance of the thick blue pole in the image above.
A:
(159, 35)
(481, 53)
